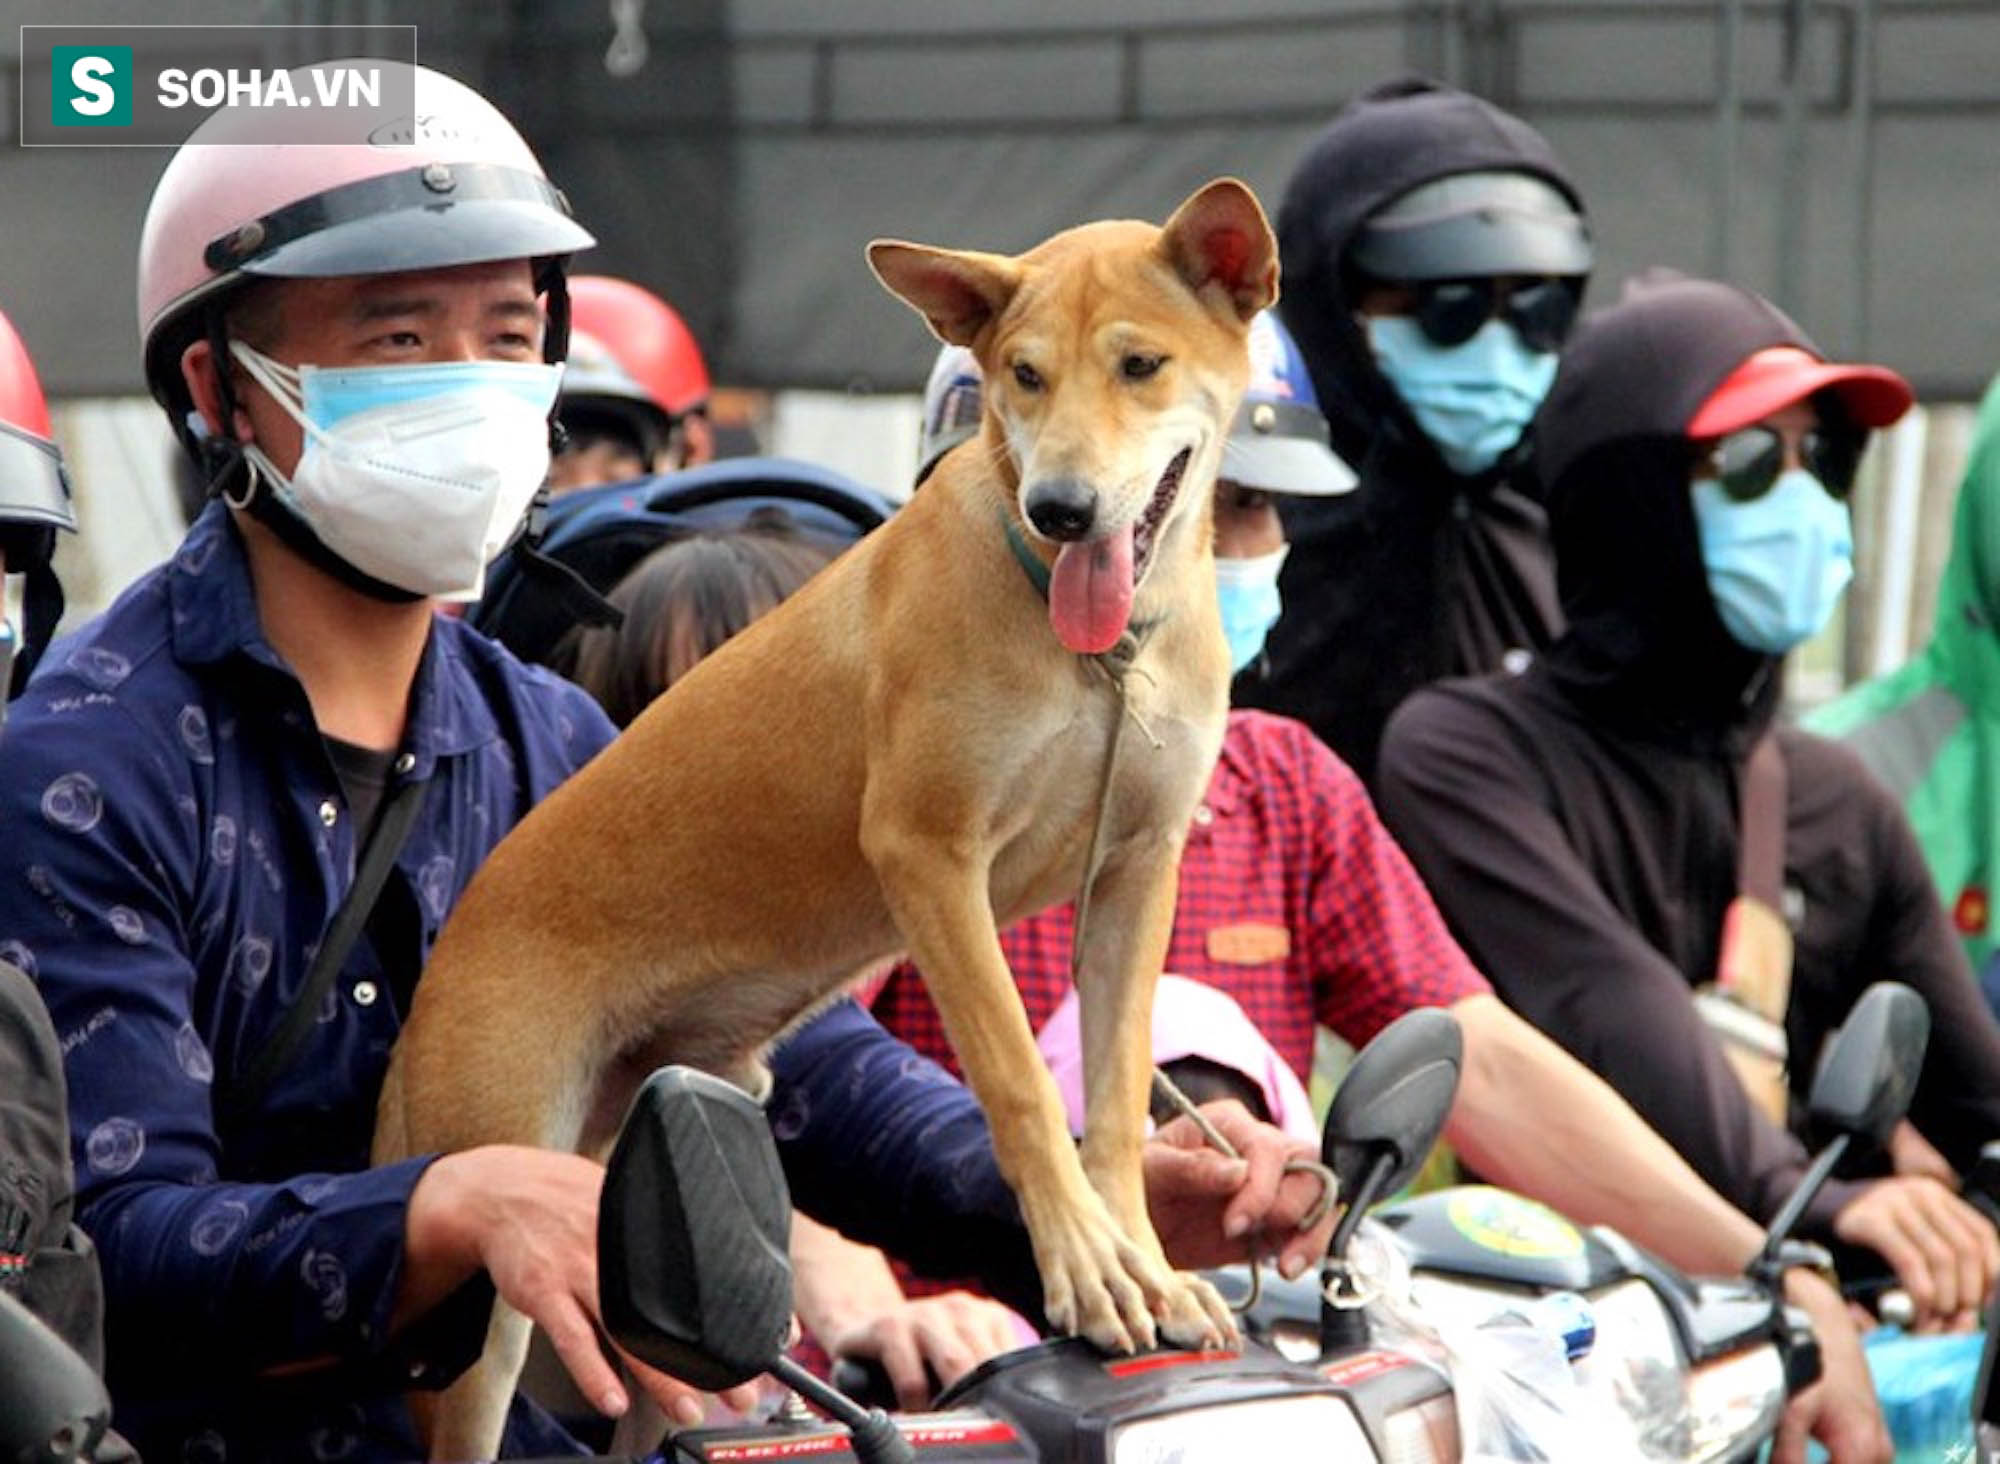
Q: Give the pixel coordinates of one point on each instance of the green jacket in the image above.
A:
(1931, 728)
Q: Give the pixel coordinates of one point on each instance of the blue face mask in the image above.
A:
(1472, 400)
(329, 395)
(1776, 565)
(1248, 590)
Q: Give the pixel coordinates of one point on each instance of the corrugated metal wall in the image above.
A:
(743, 165)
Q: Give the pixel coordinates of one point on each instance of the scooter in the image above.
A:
(695, 1280)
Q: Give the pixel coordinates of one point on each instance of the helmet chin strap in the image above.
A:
(41, 608)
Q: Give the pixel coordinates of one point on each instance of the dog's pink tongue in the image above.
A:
(1090, 593)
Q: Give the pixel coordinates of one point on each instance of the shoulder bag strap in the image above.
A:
(378, 857)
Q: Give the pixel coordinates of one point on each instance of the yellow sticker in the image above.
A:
(1502, 1221)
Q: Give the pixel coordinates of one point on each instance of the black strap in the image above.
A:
(378, 857)
(577, 596)
(41, 608)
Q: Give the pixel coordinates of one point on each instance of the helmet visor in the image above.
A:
(34, 489)
(423, 218)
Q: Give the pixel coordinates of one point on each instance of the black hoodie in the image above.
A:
(1578, 823)
(1419, 573)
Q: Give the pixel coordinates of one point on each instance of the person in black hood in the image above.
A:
(1579, 822)
(1434, 254)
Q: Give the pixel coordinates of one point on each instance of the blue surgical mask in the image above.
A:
(328, 395)
(1472, 400)
(1777, 564)
(1248, 590)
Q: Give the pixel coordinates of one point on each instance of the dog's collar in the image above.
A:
(1036, 571)
(1038, 576)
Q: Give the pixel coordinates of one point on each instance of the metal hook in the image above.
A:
(628, 49)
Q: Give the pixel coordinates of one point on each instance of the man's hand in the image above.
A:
(952, 1333)
(1942, 1250)
(1206, 1205)
(528, 1217)
(1840, 1409)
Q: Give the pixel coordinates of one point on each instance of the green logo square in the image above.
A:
(90, 86)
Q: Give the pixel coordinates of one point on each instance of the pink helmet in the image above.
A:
(455, 186)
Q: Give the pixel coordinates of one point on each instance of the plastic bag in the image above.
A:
(1516, 1395)
(1925, 1385)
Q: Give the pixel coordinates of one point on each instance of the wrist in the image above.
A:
(1806, 1275)
(1808, 1258)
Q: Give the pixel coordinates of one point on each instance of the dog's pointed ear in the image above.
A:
(1221, 237)
(958, 291)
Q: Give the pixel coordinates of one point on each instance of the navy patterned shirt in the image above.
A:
(173, 843)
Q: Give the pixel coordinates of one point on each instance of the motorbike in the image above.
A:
(696, 1280)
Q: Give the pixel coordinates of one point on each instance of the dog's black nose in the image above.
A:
(1064, 509)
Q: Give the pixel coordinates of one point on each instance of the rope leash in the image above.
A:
(1117, 666)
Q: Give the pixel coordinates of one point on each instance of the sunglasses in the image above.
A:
(1542, 311)
(1747, 462)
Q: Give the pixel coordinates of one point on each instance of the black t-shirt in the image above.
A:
(394, 926)
(364, 777)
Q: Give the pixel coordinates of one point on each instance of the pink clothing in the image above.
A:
(1190, 1019)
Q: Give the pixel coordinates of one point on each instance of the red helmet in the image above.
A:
(33, 487)
(645, 336)
(34, 503)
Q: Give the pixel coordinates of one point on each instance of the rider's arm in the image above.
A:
(1587, 1153)
(888, 1149)
(96, 895)
(1529, 911)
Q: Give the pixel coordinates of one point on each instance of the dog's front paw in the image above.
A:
(1099, 1285)
(1196, 1315)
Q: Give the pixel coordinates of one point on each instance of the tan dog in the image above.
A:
(906, 755)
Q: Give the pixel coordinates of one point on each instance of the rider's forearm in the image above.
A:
(1532, 1118)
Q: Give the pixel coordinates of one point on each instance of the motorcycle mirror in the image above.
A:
(1861, 1089)
(693, 1233)
(1392, 1103)
(53, 1406)
(1868, 1072)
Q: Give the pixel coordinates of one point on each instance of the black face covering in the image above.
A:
(1377, 148)
(1645, 648)
(1419, 573)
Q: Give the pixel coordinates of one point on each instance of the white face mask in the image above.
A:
(418, 476)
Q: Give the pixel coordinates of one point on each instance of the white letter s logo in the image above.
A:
(95, 96)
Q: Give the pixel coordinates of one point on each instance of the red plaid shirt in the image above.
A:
(1293, 899)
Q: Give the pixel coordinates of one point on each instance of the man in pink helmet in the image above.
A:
(360, 343)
